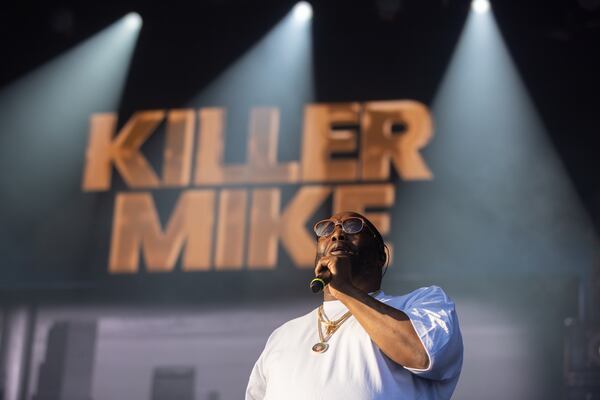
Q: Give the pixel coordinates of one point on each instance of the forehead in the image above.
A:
(345, 214)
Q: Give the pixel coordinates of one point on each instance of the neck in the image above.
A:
(367, 287)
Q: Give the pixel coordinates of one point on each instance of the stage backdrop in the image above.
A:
(163, 239)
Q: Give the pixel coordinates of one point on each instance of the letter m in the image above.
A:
(137, 228)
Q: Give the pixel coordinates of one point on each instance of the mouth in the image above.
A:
(341, 251)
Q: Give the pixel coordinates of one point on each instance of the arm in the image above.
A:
(389, 328)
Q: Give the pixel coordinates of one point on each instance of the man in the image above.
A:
(361, 343)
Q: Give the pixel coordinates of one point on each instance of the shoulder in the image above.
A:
(293, 325)
(428, 294)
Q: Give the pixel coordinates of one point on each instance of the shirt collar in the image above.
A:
(333, 308)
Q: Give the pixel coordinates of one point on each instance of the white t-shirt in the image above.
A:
(353, 368)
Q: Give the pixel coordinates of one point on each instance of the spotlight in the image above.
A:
(302, 11)
(133, 20)
(480, 6)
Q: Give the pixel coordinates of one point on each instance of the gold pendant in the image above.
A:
(330, 329)
(320, 347)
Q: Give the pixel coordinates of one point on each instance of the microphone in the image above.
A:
(318, 283)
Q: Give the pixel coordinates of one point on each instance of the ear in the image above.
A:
(383, 255)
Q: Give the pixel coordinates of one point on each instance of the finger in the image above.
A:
(322, 266)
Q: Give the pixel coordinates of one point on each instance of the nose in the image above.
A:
(338, 234)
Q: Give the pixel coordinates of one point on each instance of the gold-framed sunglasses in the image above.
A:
(351, 225)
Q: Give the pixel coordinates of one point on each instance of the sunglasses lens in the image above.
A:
(352, 225)
(324, 228)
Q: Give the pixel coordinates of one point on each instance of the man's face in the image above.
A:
(358, 246)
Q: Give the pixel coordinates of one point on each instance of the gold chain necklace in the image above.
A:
(330, 327)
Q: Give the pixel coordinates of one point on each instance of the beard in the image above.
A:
(362, 263)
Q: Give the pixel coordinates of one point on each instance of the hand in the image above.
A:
(339, 272)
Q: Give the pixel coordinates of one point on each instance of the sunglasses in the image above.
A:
(350, 225)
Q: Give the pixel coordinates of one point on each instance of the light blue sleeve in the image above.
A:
(433, 316)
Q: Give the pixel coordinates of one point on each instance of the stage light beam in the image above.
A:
(509, 210)
(480, 6)
(486, 118)
(302, 11)
(276, 72)
(133, 21)
(44, 118)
